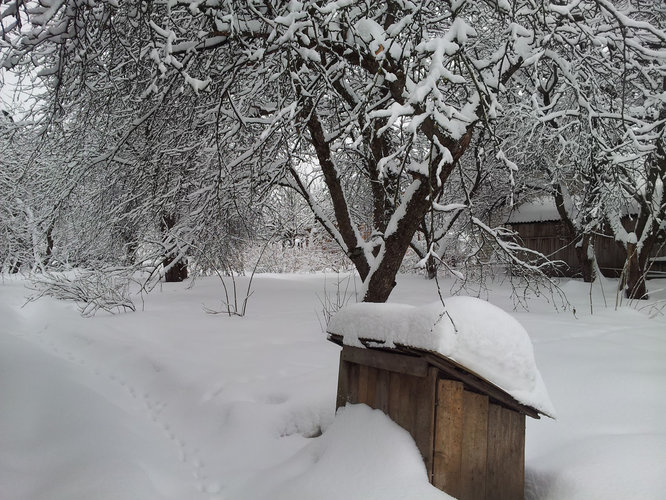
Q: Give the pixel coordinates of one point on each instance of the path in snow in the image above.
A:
(63, 434)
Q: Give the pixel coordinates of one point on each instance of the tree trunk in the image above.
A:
(175, 271)
(381, 282)
(584, 251)
(131, 250)
(175, 266)
(634, 281)
(431, 267)
(585, 256)
(49, 244)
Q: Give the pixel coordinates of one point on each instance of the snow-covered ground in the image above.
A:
(173, 403)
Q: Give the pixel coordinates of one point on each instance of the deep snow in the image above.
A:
(478, 335)
(174, 403)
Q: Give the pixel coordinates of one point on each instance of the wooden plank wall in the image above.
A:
(448, 437)
(551, 239)
(505, 466)
(473, 449)
(479, 446)
(386, 386)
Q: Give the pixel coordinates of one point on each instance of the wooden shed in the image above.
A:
(540, 227)
(470, 433)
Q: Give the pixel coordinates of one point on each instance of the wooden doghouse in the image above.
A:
(470, 433)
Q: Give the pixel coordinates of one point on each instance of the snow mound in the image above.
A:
(474, 333)
(360, 446)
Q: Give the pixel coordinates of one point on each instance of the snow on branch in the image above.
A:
(94, 290)
(505, 241)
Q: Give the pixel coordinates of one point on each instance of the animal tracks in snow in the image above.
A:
(142, 401)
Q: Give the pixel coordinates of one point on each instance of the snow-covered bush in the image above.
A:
(94, 290)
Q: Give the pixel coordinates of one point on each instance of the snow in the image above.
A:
(170, 402)
(60, 440)
(632, 238)
(360, 446)
(474, 333)
(372, 34)
(395, 111)
(542, 209)
(449, 207)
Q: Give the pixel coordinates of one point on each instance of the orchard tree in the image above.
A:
(382, 99)
(388, 95)
(28, 212)
(558, 160)
(601, 79)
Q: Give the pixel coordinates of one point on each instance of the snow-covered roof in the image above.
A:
(541, 209)
(471, 332)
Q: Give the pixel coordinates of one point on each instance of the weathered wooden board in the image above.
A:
(367, 385)
(474, 446)
(382, 390)
(448, 437)
(475, 382)
(505, 467)
(353, 371)
(362, 384)
(410, 365)
(395, 395)
(343, 383)
(425, 402)
(470, 436)
(408, 402)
